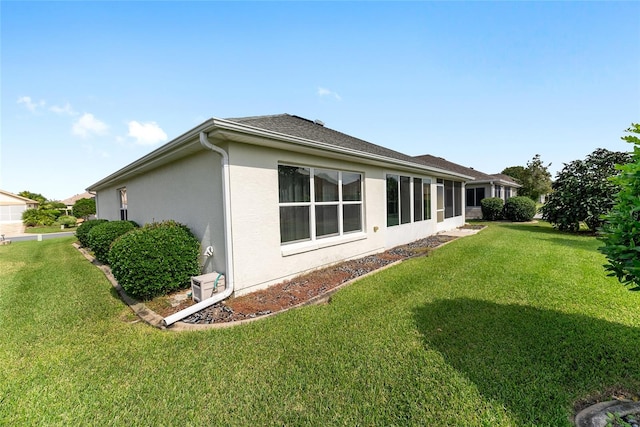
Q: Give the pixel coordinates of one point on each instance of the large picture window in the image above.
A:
(316, 203)
(407, 196)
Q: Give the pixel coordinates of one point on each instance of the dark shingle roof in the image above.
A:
(441, 163)
(303, 128)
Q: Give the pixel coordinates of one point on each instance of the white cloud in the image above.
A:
(326, 92)
(30, 104)
(146, 133)
(66, 110)
(88, 125)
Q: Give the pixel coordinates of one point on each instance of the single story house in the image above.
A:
(69, 202)
(482, 186)
(12, 206)
(272, 197)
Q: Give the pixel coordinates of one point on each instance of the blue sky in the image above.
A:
(88, 87)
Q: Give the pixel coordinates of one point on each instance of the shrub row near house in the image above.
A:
(518, 209)
(103, 235)
(82, 233)
(155, 260)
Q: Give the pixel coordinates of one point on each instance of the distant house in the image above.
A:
(276, 196)
(482, 186)
(12, 206)
(73, 199)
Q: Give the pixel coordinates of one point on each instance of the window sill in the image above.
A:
(298, 248)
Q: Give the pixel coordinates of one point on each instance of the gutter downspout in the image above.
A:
(226, 202)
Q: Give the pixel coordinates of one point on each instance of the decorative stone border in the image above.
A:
(154, 319)
(596, 415)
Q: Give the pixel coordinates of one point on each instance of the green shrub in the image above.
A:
(519, 209)
(155, 260)
(83, 230)
(583, 191)
(492, 208)
(67, 220)
(621, 230)
(33, 217)
(103, 235)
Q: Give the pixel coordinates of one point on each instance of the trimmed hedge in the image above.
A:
(103, 235)
(155, 260)
(519, 209)
(82, 233)
(492, 208)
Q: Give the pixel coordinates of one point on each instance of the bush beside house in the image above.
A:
(82, 233)
(103, 235)
(156, 259)
(492, 208)
(519, 209)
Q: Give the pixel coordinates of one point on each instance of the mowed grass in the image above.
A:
(509, 327)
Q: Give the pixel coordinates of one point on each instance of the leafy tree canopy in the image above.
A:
(583, 191)
(535, 178)
(83, 208)
(621, 231)
(33, 196)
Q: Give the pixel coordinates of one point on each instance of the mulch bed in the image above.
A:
(304, 288)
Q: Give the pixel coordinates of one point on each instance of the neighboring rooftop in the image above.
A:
(439, 162)
(73, 199)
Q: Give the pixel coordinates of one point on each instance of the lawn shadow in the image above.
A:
(536, 362)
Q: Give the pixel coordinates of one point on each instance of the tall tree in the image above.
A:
(516, 172)
(621, 231)
(83, 208)
(538, 178)
(535, 178)
(582, 191)
(33, 196)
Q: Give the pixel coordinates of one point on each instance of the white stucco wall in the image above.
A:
(261, 260)
(188, 191)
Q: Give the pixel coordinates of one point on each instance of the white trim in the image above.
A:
(307, 246)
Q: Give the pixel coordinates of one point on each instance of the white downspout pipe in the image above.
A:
(226, 202)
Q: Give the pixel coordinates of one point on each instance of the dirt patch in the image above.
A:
(302, 289)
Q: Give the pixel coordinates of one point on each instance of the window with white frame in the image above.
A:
(407, 196)
(122, 195)
(317, 203)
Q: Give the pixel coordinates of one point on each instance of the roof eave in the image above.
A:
(226, 129)
(237, 130)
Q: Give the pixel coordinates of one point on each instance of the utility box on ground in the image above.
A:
(207, 285)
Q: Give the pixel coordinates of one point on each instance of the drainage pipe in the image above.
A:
(226, 202)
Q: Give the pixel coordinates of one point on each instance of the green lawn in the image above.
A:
(509, 327)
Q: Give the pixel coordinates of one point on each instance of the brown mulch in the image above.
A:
(301, 289)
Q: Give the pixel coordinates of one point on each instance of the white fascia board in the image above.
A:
(155, 158)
